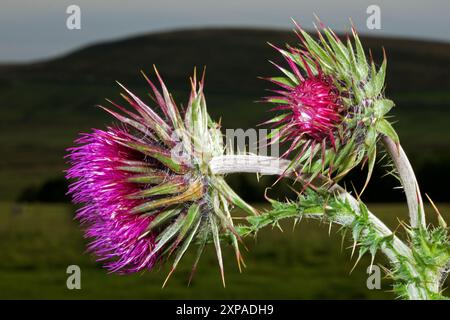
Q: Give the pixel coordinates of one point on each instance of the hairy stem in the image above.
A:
(409, 182)
(275, 166)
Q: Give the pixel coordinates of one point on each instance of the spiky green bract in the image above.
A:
(172, 186)
(363, 106)
(431, 253)
(424, 269)
(328, 209)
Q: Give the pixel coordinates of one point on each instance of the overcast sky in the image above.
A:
(31, 30)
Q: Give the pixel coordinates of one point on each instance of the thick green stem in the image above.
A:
(413, 195)
(409, 182)
(275, 166)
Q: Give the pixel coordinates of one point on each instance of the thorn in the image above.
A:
(195, 75)
(400, 223)
(356, 192)
(275, 47)
(156, 70)
(321, 24)
(386, 270)
(222, 274)
(296, 221)
(167, 278)
(441, 220)
(370, 56)
(296, 24)
(279, 227)
(202, 81)
(356, 263)
(191, 276)
(371, 263)
(243, 262)
(267, 197)
(352, 24)
(238, 260)
(353, 249)
(342, 242)
(405, 227)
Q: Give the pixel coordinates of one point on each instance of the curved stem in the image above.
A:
(248, 163)
(275, 166)
(409, 182)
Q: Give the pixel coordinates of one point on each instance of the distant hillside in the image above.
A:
(234, 58)
(44, 105)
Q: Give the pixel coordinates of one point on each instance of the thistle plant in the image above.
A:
(154, 184)
(332, 103)
(146, 186)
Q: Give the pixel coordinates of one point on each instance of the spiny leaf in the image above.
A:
(215, 234)
(232, 196)
(383, 126)
(314, 47)
(182, 249)
(371, 164)
(151, 177)
(289, 74)
(203, 235)
(162, 155)
(380, 77)
(132, 123)
(171, 108)
(382, 107)
(136, 169)
(192, 216)
(163, 217)
(234, 234)
(168, 234)
(282, 80)
(371, 137)
(338, 48)
(363, 68)
(165, 188)
(194, 192)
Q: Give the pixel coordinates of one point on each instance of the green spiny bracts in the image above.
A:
(333, 104)
(327, 208)
(147, 186)
(430, 259)
(431, 253)
(424, 269)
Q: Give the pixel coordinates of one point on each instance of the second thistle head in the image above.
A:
(314, 106)
(332, 105)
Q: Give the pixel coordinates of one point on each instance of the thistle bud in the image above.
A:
(146, 186)
(332, 105)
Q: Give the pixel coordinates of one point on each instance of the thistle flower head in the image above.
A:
(333, 104)
(146, 186)
(314, 107)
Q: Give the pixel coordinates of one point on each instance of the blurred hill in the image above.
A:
(44, 105)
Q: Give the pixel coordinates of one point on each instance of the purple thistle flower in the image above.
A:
(332, 103)
(146, 186)
(105, 188)
(314, 106)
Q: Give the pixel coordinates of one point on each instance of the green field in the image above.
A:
(38, 242)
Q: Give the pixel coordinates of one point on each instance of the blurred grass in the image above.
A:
(38, 242)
